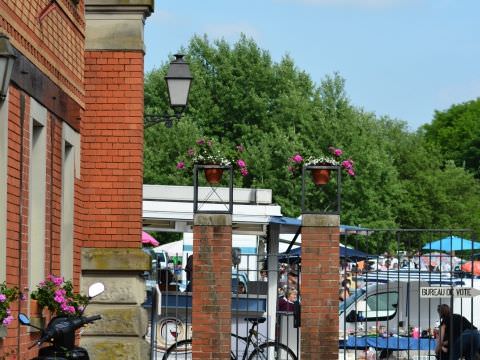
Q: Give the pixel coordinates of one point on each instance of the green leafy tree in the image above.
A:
(240, 96)
(456, 131)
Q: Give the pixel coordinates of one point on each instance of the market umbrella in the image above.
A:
(148, 239)
(452, 243)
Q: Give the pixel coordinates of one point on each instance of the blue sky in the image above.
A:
(402, 58)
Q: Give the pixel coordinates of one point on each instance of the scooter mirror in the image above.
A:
(96, 289)
(24, 320)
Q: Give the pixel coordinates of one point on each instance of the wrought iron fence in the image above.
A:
(391, 284)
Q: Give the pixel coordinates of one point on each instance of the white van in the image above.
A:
(162, 259)
(392, 299)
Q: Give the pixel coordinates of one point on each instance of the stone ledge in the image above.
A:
(117, 321)
(212, 220)
(119, 289)
(319, 220)
(109, 348)
(111, 259)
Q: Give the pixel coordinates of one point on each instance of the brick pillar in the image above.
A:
(112, 176)
(212, 293)
(319, 286)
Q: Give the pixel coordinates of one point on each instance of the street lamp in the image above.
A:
(7, 58)
(178, 80)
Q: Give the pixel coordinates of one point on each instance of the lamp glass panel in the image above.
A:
(178, 90)
(3, 73)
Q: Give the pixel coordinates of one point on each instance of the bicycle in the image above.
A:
(261, 349)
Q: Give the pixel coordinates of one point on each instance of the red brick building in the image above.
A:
(71, 140)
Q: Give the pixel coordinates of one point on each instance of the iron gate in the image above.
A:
(395, 283)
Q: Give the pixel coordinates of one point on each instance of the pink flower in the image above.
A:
(23, 297)
(244, 171)
(240, 148)
(200, 141)
(180, 165)
(2, 297)
(337, 152)
(59, 299)
(7, 320)
(347, 164)
(60, 292)
(58, 281)
(351, 172)
(241, 163)
(291, 169)
(190, 152)
(297, 158)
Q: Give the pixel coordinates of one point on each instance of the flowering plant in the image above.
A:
(7, 296)
(57, 295)
(333, 159)
(204, 152)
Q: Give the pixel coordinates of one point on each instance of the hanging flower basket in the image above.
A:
(213, 175)
(320, 176)
(204, 152)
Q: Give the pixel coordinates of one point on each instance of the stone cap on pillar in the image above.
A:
(212, 219)
(108, 259)
(116, 24)
(320, 220)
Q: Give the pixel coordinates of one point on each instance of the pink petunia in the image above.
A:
(351, 172)
(180, 165)
(200, 141)
(241, 163)
(7, 320)
(240, 148)
(59, 299)
(190, 152)
(58, 281)
(347, 164)
(2, 297)
(337, 152)
(297, 158)
(244, 171)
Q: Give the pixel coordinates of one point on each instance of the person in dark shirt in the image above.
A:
(457, 337)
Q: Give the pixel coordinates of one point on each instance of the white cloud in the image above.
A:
(372, 4)
(231, 31)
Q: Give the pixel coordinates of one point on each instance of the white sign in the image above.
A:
(442, 292)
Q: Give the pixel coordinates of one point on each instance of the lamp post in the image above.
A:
(178, 80)
(7, 59)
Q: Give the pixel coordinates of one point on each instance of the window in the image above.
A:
(382, 306)
(70, 170)
(3, 187)
(37, 190)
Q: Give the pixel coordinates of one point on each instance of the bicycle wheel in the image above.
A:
(181, 350)
(273, 350)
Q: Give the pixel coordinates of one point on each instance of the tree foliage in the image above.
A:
(240, 96)
(456, 131)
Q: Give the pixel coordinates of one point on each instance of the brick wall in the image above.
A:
(319, 286)
(112, 149)
(212, 294)
(19, 339)
(54, 42)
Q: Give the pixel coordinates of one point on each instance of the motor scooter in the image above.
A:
(60, 332)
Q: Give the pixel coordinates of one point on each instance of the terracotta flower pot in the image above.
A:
(320, 176)
(213, 175)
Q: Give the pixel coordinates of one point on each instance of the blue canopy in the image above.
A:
(452, 243)
(344, 253)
